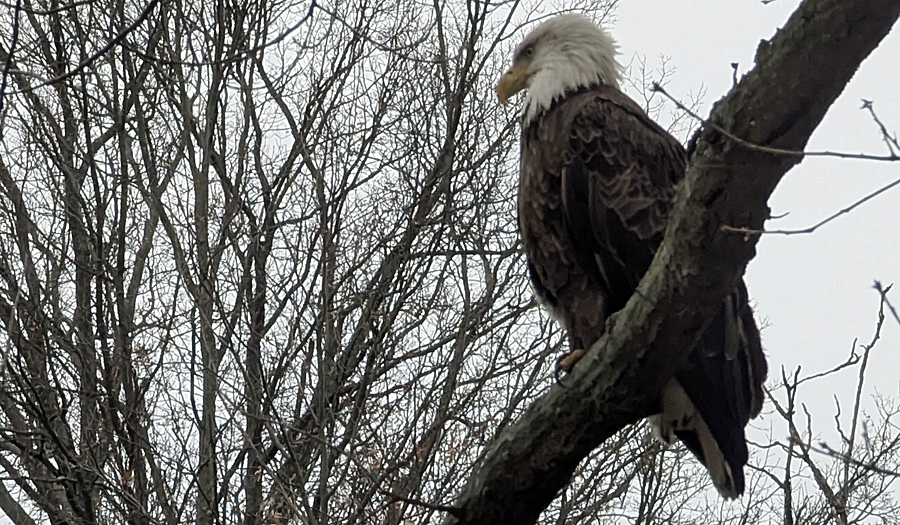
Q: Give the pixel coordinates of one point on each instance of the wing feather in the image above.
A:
(619, 176)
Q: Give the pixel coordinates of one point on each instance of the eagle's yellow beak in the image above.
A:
(514, 80)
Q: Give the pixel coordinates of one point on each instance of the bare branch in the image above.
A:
(883, 291)
(889, 140)
(814, 227)
(848, 460)
(779, 151)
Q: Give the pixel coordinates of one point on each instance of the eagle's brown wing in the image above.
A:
(618, 182)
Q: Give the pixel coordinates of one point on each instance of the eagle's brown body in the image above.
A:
(596, 185)
(597, 181)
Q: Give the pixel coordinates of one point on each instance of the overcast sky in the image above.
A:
(815, 290)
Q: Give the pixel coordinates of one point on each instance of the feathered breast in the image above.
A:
(596, 185)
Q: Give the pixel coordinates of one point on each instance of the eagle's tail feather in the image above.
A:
(680, 419)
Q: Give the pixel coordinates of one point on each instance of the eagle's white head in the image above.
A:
(563, 54)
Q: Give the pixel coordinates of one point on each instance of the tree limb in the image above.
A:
(799, 73)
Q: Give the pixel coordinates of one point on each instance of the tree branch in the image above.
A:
(799, 73)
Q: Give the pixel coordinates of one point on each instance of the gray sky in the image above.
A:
(815, 290)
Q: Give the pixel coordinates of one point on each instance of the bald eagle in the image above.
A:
(596, 185)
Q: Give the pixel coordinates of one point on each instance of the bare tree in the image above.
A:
(850, 484)
(258, 260)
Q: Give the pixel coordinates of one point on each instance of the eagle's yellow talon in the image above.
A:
(568, 361)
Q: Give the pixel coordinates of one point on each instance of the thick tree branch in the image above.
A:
(799, 73)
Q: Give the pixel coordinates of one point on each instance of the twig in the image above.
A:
(453, 511)
(146, 56)
(847, 458)
(859, 385)
(384, 47)
(766, 149)
(748, 231)
(852, 359)
(870, 466)
(9, 57)
(44, 12)
(883, 291)
(103, 50)
(891, 141)
(231, 58)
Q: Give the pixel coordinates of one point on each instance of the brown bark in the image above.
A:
(799, 73)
